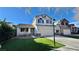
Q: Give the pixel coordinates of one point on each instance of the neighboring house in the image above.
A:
(78, 31)
(43, 24)
(62, 27)
(74, 29)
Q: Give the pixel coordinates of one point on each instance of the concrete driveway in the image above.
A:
(71, 44)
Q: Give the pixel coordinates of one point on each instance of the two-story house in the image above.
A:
(43, 24)
(62, 27)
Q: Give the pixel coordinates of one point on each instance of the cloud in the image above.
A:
(42, 10)
(76, 16)
(28, 10)
(55, 10)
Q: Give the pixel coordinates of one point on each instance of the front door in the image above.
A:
(32, 30)
(57, 31)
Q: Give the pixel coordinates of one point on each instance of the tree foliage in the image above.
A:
(6, 31)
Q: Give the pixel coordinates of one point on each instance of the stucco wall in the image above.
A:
(57, 27)
(21, 33)
(45, 30)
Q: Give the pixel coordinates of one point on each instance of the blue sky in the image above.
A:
(20, 15)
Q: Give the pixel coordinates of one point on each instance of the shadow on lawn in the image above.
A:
(70, 36)
(25, 45)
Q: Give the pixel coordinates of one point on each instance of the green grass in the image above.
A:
(48, 42)
(38, 44)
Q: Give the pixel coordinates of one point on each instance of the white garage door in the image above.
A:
(66, 32)
(45, 30)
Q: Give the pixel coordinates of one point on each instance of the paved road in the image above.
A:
(71, 44)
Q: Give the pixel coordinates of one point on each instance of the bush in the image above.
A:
(6, 31)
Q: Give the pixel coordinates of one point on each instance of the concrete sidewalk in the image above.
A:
(71, 44)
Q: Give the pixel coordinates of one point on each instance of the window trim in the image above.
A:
(40, 20)
(24, 29)
(47, 21)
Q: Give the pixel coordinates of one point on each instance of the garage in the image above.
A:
(45, 30)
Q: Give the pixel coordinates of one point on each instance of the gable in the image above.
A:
(43, 19)
(43, 16)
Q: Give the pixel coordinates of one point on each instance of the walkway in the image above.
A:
(71, 44)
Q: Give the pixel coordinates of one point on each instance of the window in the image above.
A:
(47, 21)
(50, 22)
(57, 31)
(26, 29)
(66, 23)
(40, 20)
(62, 23)
(22, 29)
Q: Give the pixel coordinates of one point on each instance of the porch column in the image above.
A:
(29, 30)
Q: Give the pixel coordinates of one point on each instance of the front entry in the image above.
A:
(32, 31)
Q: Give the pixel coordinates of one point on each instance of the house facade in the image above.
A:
(43, 25)
(25, 29)
(74, 29)
(62, 27)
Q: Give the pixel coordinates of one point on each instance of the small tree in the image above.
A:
(6, 31)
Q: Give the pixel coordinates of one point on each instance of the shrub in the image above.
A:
(6, 31)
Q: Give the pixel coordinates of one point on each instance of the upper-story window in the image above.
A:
(66, 23)
(47, 21)
(51, 22)
(40, 20)
(62, 23)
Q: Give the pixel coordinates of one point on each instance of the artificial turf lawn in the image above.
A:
(37, 44)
